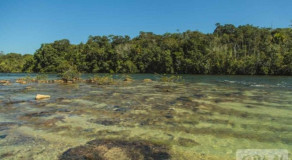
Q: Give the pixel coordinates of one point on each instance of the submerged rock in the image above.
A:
(187, 142)
(185, 99)
(7, 125)
(116, 149)
(128, 80)
(120, 109)
(3, 136)
(106, 122)
(28, 87)
(5, 155)
(249, 106)
(58, 81)
(6, 84)
(40, 96)
(164, 88)
(24, 140)
(42, 81)
(147, 80)
(39, 114)
(199, 96)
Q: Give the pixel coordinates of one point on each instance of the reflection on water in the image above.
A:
(207, 117)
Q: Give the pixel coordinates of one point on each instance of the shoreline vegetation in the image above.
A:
(230, 50)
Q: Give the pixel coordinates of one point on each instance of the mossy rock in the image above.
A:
(117, 149)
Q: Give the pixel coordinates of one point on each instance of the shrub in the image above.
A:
(41, 77)
(28, 78)
(24, 80)
(71, 74)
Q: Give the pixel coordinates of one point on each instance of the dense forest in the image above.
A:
(228, 50)
(13, 62)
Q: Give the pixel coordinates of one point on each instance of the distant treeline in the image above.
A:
(228, 50)
(13, 62)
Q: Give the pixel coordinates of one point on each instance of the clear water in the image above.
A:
(204, 117)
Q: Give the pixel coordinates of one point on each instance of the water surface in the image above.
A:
(203, 117)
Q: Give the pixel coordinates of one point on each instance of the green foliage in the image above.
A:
(126, 77)
(26, 79)
(229, 50)
(71, 74)
(29, 63)
(171, 78)
(13, 62)
(41, 77)
(102, 80)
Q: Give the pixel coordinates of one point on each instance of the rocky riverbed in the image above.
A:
(142, 119)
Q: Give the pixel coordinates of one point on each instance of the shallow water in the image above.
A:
(204, 117)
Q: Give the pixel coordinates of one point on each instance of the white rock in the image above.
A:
(40, 96)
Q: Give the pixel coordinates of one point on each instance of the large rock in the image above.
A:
(40, 96)
(21, 81)
(4, 81)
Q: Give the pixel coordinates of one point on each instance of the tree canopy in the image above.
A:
(14, 62)
(229, 49)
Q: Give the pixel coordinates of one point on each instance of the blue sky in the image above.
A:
(25, 24)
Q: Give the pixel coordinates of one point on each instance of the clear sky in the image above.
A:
(25, 24)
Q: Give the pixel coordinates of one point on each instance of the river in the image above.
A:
(201, 117)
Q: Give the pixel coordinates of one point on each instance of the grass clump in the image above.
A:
(172, 78)
(26, 79)
(41, 77)
(126, 78)
(102, 80)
